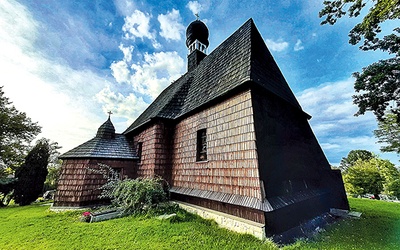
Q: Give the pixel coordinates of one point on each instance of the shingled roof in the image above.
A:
(241, 58)
(106, 144)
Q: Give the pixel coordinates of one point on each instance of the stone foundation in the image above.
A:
(227, 221)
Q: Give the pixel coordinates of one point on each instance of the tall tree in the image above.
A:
(16, 132)
(372, 176)
(378, 85)
(363, 178)
(388, 132)
(32, 174)
(353, 156)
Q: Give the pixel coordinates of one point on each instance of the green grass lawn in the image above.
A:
(35, 227)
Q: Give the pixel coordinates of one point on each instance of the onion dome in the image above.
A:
(197, 30)
(106, 130)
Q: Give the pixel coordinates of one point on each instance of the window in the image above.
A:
(201, 145)
(115, 174)
(139, 150)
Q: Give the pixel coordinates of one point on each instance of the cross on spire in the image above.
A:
(197, 16)
(109, 113)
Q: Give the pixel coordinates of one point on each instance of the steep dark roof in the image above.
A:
(240, 59)
(106, 144)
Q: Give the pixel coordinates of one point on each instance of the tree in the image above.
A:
(32, 174)
(54, 167)
(363, 178)
(372, 176)
(388, 132)
(353, 156)
(379, 83)
(52, 178)
(16, 132)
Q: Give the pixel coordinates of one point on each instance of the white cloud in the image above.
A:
(298, 46)
(332, 108)
(125, 7)
(147, 80)
(127, 51)
(156, 72)
(333, 121)
(196, 7)
(120, 71)
(128, 107)
(171, 26)
(278, 46)
(56, 96)
(137, 25)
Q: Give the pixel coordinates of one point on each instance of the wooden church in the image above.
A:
(228, 136)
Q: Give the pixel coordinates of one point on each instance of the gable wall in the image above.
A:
(291, 159)
(231, 165)
(292, 165)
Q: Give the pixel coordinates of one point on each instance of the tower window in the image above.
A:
(139, 150)
(201, 145)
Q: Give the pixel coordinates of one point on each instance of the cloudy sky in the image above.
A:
(66, 63)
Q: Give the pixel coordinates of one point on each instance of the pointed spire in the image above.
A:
(106, 130)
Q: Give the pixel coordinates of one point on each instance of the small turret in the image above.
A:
(106, 130)
(197, 43)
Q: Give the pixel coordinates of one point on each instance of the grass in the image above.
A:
(35, 227)
(378, 228)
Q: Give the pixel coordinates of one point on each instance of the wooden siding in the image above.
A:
(231, 165)
(78, 186)
(156, 151)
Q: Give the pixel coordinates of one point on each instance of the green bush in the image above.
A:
(138, 196)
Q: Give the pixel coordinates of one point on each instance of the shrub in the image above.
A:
(135, 196)
(138, 196)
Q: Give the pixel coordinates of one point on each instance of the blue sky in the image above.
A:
(66, 63)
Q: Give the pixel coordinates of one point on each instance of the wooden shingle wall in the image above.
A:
(231, 165)
(156, 151)
(78, 186)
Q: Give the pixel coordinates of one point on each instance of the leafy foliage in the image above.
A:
(52, 178)
(368, 29)
(6, 187)
(372, 176)
(363, 178)
(353, 156)
(388, 132)
(379, 88)
(134, 196)
(140, 195)
(112, 179)
(378, 84)
(16, 132)
(32, 174)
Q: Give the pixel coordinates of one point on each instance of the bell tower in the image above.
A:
(196, 42)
